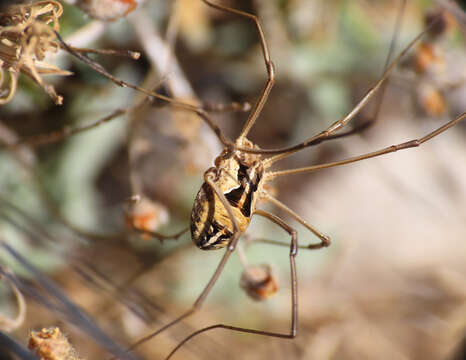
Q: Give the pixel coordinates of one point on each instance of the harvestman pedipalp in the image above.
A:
(227, 200)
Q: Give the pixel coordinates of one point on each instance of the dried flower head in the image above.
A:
(27, 34)
(51, 344)
(431, 100)
(146, 215)
(429, 59)
(108, 10)
(259, 282)
(441, 22)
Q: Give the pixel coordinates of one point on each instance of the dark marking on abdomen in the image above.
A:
(245, 191)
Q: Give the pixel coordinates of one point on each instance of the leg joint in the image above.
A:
(294, 243)
(271, 70)
(326, 241)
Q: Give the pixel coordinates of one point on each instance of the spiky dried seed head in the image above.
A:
(27, 35)
(51, 344)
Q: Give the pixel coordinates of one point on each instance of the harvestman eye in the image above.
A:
(228, 198)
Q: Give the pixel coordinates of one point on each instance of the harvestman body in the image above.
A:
(227, 200)
(237, 179)
(240, 178)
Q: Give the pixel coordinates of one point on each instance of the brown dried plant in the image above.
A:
(51, 344)
(27, 35)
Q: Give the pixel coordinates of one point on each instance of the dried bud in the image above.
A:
(144, 214)
(441, 21)
(27, 35)
(428, 59)
(108, 10)
(259, 282)
(51, 344)
(432, 101)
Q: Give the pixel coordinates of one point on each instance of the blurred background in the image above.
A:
(393, 283)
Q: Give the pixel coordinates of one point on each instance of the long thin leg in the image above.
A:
(197, 304)
(379, 101)
(159, 236)
(124, 53)
(389, 149)
(179, 104)
(268, 64)
(231, 247)
(284, 152)
(294, 293)
(278, 243)
(56, 136)
(324, 239)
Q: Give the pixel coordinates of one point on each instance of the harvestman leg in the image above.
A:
(198, 110)
(201, 112)
(231, 247)
(402, 146)
(337, 125)
(358, 128)
(294, 293)
(379, 100)
(268, 64)
(324, 239)
(179, 104)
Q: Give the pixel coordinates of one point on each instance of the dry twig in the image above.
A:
(7, 324)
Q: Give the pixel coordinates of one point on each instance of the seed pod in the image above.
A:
(108, 10)
(428, 59)
(441, 21)
(259, 282)
(144, 214)
(432, 101)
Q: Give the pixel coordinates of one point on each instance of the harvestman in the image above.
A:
(226, 202)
